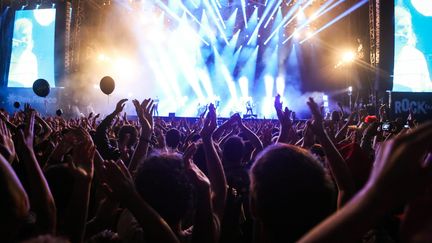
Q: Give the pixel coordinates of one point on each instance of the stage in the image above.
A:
(237, 55)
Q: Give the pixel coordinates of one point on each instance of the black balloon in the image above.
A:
(59, 112)
(16, 104)
(107, 85)
(41, 87)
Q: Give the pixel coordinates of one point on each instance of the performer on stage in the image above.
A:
(249, 110)
(156, 105)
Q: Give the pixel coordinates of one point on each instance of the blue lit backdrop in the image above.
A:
(190, 53)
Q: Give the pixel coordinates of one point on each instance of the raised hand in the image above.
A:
(144, 113)
(278, 103)
(317, 125)
(198, 178)
(83, 154)
(226, 126)
(41, 199)
(117, 181)
(340, 170)
(125, 120)
(7, 148)
(204, 229)
(188, 154)
(400, 170)
(285, 117)
(214, 164)
(26, 137)
(120, 106)
(267, 135)
(340, 134)
(286, 134)
(400, 173)
(382, 112)
(308, 136)
(28, 108)
(17, 206)
(119, 186)
(209, 123)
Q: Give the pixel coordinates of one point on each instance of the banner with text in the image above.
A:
(402, 102)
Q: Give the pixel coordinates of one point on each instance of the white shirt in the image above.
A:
(23, 70)
(411, 72)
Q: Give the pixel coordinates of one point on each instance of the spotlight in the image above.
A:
(102, 57)
(37, 6)
(53, 5)
(309, 34)
(348, 56)
(350, 89)
(313, 16)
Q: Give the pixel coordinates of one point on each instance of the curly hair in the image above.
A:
(162, 181)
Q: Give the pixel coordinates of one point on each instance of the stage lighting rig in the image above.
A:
(348, 56)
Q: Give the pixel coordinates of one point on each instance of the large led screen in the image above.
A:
(413, 46)
(32, 55)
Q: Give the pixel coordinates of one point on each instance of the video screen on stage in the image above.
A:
(32, 55)
(413, 49)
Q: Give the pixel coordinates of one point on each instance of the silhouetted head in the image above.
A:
(163, 182)
(129, 133)
(336, 116)
(233, 150)
(172, 138)
(290, 192)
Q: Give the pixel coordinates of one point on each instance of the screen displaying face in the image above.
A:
(32, 54)
(413, 49)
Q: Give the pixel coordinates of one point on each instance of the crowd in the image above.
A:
(347, 177)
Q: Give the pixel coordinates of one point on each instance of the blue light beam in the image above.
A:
(344, 14)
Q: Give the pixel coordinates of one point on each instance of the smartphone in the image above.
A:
(386, 126)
